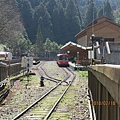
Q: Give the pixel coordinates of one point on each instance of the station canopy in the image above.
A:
(74, 47)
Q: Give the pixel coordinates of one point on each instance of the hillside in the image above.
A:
(59, 20)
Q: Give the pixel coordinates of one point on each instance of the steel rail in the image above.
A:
(59, 99)
(47, 76)
(33, 104)
(54, 79)
(4, 94)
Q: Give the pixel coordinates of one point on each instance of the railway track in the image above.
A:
(43, 72)
(21, 97)
(67, 108)
(43, 107)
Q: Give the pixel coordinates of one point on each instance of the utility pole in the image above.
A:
(28, 67)
(92, 39)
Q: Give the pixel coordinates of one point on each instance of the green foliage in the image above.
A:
(91, 12)
(10, 23)
(39, 43)
(83, 73)
(118, 20)
(51, 15)
(51, 47)
(59, 20)
(23, 79)
(22, 45)
(106, 10)
(117, 13)
(2, 47)
(72, 19)
(47, 45)
(27, 13)
(42, 17)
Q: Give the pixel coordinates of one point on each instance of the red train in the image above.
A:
(63, 60)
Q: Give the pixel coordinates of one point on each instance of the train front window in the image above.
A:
(63, 58)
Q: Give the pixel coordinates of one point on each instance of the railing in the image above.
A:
(7, 71)
(104, 89)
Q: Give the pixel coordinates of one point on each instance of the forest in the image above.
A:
(36, 24)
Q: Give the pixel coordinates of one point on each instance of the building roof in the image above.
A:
(96, 22)
(72, 46)
(99, 20)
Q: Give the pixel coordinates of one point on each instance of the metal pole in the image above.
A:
(92, 61)
(28, 68)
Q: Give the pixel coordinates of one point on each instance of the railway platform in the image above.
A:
(104, 86)
(75, 66)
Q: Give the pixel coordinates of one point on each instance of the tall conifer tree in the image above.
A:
(73, 21)
(91, 12)
(39, 43)
(106, 10)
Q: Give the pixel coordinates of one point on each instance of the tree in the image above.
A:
(10, 22)
(118, 20)
(55, 47)
(42, 17)
(91, 12)
(117, 15)
(39, 43)
(100, 12)
(27, 14)
(51, 4)
(73, 20)
(106, 10)
(47, 45)
(22, 45)
(51, 48)
(52, 17)
(58, 20)
(35, 3)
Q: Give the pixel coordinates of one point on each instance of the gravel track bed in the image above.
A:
(20, 97)
(74, 105)
(53, 70)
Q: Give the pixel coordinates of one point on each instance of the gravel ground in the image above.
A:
(20, 97)
(74, 105)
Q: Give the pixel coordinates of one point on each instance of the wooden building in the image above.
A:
(78, 51)
(75, 50)
(102, 27)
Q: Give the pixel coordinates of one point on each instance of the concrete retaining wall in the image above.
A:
(104, 84)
